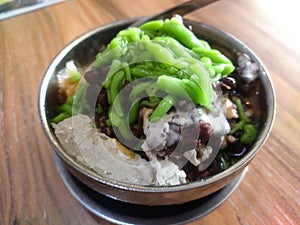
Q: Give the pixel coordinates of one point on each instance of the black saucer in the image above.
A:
(126, 213)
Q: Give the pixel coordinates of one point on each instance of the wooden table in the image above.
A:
(31, 190)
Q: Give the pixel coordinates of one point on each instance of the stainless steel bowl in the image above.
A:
(83, 51)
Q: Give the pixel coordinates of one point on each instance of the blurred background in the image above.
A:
(10, 8)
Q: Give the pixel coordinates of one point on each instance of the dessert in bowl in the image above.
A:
(162, 114)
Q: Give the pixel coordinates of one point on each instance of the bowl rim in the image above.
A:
(50, 70)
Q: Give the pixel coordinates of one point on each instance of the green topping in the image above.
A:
(244, 124)
(163, 107)
(169, 58)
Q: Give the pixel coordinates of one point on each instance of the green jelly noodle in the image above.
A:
(171, 57)
(249, 130)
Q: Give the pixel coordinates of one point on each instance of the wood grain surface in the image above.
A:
(31, 190)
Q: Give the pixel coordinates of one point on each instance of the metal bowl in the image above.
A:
(83, 50)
